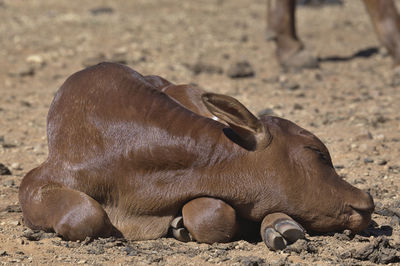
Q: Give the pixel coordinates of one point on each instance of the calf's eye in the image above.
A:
(322, 155)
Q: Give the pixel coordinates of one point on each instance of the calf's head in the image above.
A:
(294, 169)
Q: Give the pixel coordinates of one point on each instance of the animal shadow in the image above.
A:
(364, 53)
(375, 230)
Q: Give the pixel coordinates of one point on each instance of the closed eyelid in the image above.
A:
(313, 148)
(324, 155)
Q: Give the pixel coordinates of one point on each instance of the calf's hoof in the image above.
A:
(284, 232)
(290, 230)
(279, 230)
(179, 231)
(274, 240)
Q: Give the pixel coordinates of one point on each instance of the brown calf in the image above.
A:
(290, 50)
(126, 159)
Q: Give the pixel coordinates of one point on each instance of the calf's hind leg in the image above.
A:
(278, 230)
(207, 220)
(70, 213)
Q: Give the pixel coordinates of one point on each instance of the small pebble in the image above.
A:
(4, 170)
(368, 160)
(35, 59)
(241, 69)
(381, 162)
(16, 166)
(101, 10)
(9, 183)
(298, 106)
(14, 223)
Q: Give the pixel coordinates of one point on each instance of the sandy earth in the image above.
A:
(351, 102)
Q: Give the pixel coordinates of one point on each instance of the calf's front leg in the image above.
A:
(278, 230)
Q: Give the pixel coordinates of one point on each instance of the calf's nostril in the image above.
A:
(365, 204)
(371, 204)
(362, 202)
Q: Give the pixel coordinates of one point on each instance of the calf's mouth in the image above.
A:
(360, 214)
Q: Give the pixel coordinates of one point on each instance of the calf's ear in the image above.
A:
(251, 133)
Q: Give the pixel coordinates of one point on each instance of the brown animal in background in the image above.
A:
(126, 159)
(290, 50)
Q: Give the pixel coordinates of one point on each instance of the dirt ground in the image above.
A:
(351, 102)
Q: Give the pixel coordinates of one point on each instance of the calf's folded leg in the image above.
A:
(70, 213)
(207, 220)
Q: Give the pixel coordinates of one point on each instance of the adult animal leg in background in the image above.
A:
(281, 27)
(386, 21)
(290, 50)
